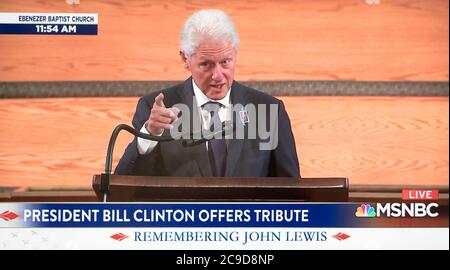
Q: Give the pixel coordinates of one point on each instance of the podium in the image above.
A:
(242, 189)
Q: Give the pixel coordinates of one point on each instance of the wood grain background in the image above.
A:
(402, 40)
(61, 142)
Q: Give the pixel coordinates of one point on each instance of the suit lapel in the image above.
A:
(235, 145)
(199, 152)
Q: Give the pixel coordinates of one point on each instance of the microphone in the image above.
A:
(207, 135)
(104, 180)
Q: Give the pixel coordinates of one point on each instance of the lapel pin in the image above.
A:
(243, 116)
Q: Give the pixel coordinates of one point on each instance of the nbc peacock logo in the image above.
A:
(365, 210)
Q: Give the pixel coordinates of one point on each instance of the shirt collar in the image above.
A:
(202, 99)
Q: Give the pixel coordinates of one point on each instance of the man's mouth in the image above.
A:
(217, 86)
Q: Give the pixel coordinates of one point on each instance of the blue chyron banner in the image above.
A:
(182, 215)
(48, 23)
(217, 226)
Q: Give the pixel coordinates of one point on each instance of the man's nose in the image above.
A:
(217, 73)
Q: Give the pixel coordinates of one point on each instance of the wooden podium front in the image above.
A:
(157, 188)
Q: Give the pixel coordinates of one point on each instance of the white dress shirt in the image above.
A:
(146, 146)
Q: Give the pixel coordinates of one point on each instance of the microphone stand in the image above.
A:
(104, 180)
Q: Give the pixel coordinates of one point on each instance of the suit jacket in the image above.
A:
(244, 159)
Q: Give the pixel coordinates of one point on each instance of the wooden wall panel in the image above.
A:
(372, 140)
(404, 40)
(61, 143)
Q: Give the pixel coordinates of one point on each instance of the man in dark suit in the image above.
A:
(209, 46)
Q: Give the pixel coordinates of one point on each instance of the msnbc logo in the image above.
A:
(365, 210)
(398, 210)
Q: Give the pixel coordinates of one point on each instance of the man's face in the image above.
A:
(212, 67)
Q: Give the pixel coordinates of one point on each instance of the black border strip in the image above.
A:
(275, 88)
(290, 259)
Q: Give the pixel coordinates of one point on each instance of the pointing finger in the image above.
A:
(159, 100)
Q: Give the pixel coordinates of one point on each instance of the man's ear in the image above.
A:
(184, 59)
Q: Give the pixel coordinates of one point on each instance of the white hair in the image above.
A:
(208, 24)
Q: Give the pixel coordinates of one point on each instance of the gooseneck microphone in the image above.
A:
(204, 136)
